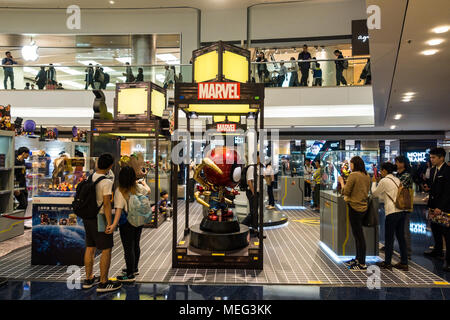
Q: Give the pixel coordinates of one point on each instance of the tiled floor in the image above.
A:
(292, 256)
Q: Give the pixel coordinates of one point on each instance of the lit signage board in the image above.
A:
(226, 127)
(417, 156)
(239, 140)
(219, 91)
(360, 37)
(418, 228)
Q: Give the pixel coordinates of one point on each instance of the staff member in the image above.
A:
(439, 202)
(22, 195)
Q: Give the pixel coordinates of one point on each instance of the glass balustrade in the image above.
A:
(312, 73)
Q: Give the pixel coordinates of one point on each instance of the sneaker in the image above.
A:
(109, 286)
(400, 266)
(384, 265)
(357, 267)
(87, 284)
(126, 278)
(136, 273)
(349, 262)
(270, 207)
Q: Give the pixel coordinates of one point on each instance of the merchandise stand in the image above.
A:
(106, 135)
(250, 104)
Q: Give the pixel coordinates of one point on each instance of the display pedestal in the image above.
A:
(274, 218)
(228, 236)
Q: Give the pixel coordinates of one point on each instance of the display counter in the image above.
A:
(58, 234)
(335, 229)
(292, 191)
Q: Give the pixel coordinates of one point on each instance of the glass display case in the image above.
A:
(337, 163)
(291, 164)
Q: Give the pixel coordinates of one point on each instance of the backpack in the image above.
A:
(243, 185)
(403, 198)
(139, 210)
(106, 76)
(345, 64)
(85, 203)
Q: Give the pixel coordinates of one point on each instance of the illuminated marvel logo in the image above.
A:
(226, 127)
(219, 91)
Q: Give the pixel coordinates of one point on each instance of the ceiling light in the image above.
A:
(429, 52)
(112, 2)
(29, 52)
(398, 116)
(434, 42)
(393, 127)
(406, 99)
(409, 93)
(441, 29)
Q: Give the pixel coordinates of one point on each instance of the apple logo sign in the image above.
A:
(29, 53)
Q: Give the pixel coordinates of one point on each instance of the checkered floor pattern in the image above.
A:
(291, 256)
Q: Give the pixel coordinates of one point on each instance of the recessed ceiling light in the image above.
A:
(112, 2)
(393, 127)
(429, 52)
(398, 116)
(441, 29)
(434, 42)
(406, 99)
(409, 93)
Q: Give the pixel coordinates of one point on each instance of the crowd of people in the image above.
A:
(306, 65)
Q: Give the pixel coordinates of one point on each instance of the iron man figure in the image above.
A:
(218, 175)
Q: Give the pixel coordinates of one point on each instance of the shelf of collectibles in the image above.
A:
(334, 216)
(58, 234)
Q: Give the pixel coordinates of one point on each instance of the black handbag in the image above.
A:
(370, 219)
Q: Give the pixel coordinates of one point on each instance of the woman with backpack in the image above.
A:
(395, 218)
(356, 195)
(129, 234)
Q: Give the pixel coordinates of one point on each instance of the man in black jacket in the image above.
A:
(439, 202)
(340, 68)
(304, 66)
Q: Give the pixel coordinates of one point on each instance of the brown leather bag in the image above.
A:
(403, 198)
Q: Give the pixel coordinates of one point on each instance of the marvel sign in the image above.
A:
(219, 91)
(226, 127)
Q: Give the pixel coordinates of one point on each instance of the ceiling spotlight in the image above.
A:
(429, 52)
(393, 127)
(398, 116)
(434, 42)
(441, 29)
(112, 2)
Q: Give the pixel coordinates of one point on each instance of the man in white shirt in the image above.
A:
(252, 192)
(100, 240)
(395, 218)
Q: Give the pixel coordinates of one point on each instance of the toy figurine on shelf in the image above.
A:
(218, 176)
(345, 170)
(5, 118)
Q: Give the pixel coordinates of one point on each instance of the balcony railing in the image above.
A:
(292, 73)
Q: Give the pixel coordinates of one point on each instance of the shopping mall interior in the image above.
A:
(243, 150)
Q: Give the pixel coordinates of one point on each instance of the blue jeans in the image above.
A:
(395, 225)
(8, 74)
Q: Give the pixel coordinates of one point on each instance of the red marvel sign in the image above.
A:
(226, 127)
(219, 91)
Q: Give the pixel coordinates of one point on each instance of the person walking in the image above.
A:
(270, 180)
(261, 67)
(356, 195)
(317, 179)
(129, 234)
(8, 72)
(89, 77)
(41, 78)
(404, 174)
(96, 240)
(340, 66)
(304, 66)
(395, 218)
(308, 171)
(438, 187)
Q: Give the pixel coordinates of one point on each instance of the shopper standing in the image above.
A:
(340, 66)
(140, 75)
(169, 77)
(51, 77)
(191, 182)
(304, 66)
(102, 241)
(282, 74)
(438, 187)
(403, 173)
(270, 180)
(262, 67)
(252, 193)
(20, 176)
(129, 234)
(395, 217)
(89, 78)
(366, 75)
(317, 178)
(8, 72)
(294, 74)
(356, 195)
(129, 77)
(317, 75)
(41, 78)
(308, 171)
